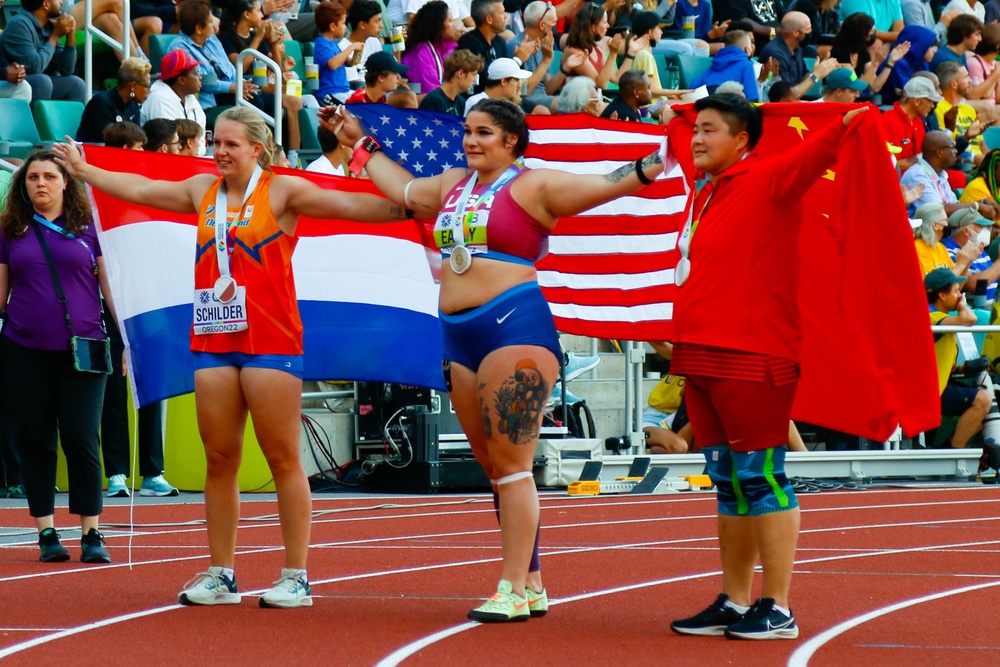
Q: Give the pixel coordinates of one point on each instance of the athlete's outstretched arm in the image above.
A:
(177, 196)
(298, 197)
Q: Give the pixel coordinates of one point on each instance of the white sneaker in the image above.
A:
(292, 590)
(117, 487)
(157, 486)
(208, 588)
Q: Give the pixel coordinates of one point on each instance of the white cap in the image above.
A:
(921, 87)
(504, 68)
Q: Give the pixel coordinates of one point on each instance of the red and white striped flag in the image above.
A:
(610, 270)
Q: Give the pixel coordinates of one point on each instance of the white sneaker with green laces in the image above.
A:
(210, 588)
(291, 590)
(505, 606)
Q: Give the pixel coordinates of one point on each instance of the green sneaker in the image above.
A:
(538, 603)
(503, 607)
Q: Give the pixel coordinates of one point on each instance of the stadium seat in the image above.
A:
(10, 8)
(294, 50)
(17, 127)
(691, 68)
(56, 119)
(157, 49)
(991, 139)
(307, 48)
(308, 124)
(212, 114)
(5, 179)
(816, 91)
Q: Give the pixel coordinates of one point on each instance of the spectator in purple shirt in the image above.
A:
(45, 399)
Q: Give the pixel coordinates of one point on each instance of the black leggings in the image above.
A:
(46, 402)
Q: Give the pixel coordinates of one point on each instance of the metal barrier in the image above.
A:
(275, 121)
(90, 31)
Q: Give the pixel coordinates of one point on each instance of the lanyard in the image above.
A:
(935, 177)
(70, 235)
(462, 216)
(684, 244)
(222, 250)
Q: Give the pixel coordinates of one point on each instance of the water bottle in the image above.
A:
(673, 75)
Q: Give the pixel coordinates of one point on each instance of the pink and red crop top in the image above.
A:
(498, 228)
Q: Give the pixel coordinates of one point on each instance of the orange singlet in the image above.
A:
(261, 261)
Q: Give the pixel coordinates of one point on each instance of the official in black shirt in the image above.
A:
(118, 104)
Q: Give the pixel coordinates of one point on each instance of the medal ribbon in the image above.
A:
(222, 250)
(461, 214)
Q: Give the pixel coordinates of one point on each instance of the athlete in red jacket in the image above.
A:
(737, 343)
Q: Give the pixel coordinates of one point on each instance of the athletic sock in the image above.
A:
(228, 572)
(786, 612)
(536, 562)
(738, 607)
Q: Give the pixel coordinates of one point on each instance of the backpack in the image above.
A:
(578, 416)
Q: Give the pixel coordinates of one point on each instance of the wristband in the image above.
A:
(975, 205)
(638, 172)
(628, 56)
(363, 151)
(406, 192)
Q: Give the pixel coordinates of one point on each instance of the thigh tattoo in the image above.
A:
(519, 403)
(485, 410)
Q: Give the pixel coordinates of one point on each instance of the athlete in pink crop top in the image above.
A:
(498, 228)
(500, 347)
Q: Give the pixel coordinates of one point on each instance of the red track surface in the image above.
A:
(393, 579)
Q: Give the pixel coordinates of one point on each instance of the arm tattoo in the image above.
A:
(621, 173)
(520, 402)
(626, 170)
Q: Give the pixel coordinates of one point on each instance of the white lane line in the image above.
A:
(400, 654)
(119, 619)
(801, 656)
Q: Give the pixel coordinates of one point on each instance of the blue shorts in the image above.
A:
(290, 363)
(957, 398)
(750, 483)
(519, 316)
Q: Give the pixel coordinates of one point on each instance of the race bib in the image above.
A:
(212, 316)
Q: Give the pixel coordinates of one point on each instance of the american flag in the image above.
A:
(425, 142)
(609, 271)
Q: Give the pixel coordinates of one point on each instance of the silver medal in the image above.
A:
(225, 289)
(682, 271)
(461, 259)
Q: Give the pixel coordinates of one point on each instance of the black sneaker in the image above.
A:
(711, 622)
(16, 492)
(52, 550)
(92, 545)
(763, 621)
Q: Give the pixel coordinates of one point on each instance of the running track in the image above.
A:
(889, 577)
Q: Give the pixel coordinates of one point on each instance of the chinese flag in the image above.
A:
(867, 353)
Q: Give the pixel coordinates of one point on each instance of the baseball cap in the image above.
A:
(643, 22)
(175, 63)
(504, 68)
(842, 77)
(938, 279)
(919, 86)
(380, 61)
(964, 217)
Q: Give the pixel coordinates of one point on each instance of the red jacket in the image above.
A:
(743, 289)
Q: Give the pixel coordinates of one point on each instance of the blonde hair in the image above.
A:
(256, 131)
(133, 69)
